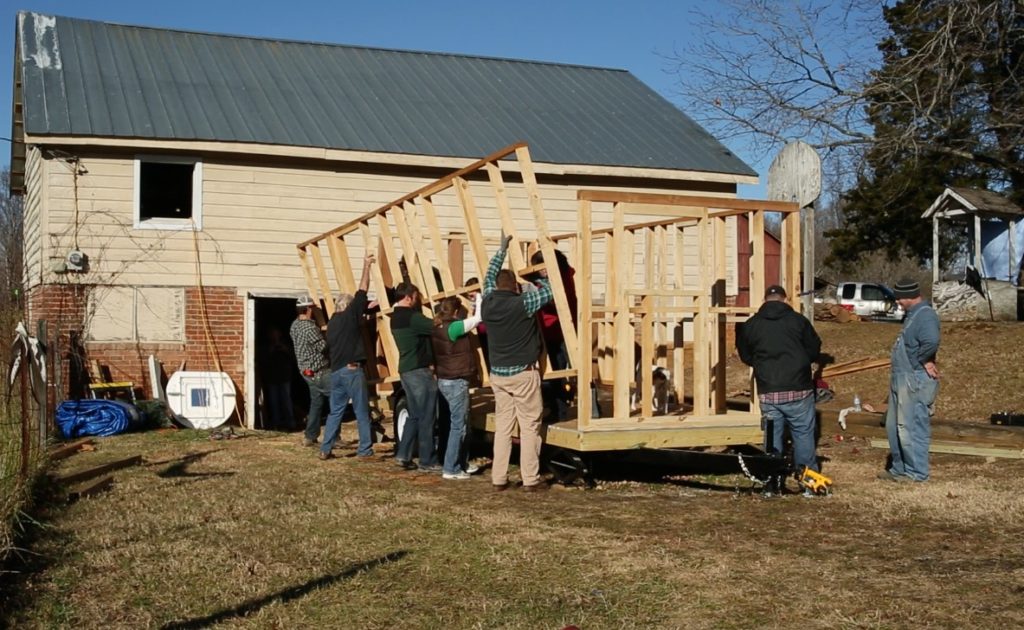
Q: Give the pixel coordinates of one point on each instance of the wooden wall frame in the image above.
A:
(647, 303)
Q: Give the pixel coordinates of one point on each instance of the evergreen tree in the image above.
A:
(947, 108)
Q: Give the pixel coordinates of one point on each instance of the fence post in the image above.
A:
(44, 403)
(25, 435)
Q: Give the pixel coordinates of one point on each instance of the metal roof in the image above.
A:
(88, 78)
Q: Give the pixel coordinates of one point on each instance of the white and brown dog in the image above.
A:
(662, 391)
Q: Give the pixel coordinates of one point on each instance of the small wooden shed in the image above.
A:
(996, 243)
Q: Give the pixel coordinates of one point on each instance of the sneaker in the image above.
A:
(472, 469)
(309, 442)
(456, 475)
(405, 465)
(432, 468)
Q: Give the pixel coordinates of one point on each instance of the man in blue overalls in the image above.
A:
(912, 387)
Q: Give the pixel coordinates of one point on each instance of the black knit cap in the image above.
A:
(907, 289)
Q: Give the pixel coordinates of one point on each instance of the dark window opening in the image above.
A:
(848, 291)
(165, 190)
(872, 293)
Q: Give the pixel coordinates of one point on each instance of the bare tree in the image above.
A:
(773, 71)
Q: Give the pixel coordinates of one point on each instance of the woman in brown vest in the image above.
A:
(455, 367)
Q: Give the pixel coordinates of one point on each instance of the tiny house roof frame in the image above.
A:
(649, 299)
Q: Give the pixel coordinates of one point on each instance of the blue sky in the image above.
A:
(618, 34)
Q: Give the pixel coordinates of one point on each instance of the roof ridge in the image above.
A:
(280, 40)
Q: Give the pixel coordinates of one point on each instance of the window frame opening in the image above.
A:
(194, 221)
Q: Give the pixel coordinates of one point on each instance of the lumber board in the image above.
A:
(565, 315)
(963, 449)
(67, 450)
(409, 252)
(833, 371)
(477, 245)
(380, 290)
(321, 274)
(692, 201)
(719, 349)
(311, 285)
(424, 191)
(424, 262)
(90, 488)
(96, 471)
(387, 244)
(585, 366)
(646, 362)
(338, 251)
(757, 272)
(505, 214)
(441, 254)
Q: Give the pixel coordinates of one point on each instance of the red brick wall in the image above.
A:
(64, 307)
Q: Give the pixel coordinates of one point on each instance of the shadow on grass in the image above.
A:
(287, 595)
(177, 467)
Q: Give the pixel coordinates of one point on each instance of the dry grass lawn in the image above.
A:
(257, 533)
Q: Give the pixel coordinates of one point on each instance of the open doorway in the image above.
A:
(282, 396)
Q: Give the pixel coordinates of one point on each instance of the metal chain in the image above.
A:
(746, 471)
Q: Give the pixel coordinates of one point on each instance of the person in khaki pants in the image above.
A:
(513, 348)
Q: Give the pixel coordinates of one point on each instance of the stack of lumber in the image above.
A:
(834, 313)
(958, 438)
(958, 302)
(852, 367)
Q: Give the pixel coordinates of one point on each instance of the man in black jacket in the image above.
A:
(780, 344)
(348, 356)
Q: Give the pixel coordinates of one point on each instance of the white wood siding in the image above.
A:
(34, 217)
(254, 215)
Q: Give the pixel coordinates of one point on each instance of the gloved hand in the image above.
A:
(473, 320)
(505, 240)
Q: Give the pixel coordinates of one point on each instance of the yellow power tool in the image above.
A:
(815, 481)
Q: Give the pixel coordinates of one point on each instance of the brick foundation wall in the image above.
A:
(64, 308)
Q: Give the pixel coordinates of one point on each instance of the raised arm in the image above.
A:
(364, 280)
(491, 279)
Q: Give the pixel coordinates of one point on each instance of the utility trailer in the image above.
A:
(651, 293)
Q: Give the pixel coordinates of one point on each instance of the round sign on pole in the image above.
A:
(795, 174)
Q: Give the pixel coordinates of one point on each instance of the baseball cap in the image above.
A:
(304, 301)
(775, 290)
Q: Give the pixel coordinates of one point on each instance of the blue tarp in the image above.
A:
(77, 418)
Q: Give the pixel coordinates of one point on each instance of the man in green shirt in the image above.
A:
(412, 331)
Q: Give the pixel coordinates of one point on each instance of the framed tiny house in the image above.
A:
(651, 292)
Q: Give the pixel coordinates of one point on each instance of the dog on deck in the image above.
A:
(661, 389)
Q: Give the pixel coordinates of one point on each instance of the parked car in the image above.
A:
(867, 299)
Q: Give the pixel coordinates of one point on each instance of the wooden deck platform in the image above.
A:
(614, 434)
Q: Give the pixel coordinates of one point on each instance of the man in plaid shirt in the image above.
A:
(513, 347)
(311, 356)
(780, 344)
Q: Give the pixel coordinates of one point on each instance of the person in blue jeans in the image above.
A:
(780, 344)
(412, 331)
(311, 358)
(913, 386)
(348, 357)
(455, 366)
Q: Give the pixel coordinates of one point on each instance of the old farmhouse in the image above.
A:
(168, 175)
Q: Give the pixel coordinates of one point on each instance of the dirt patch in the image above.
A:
(257, 533)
